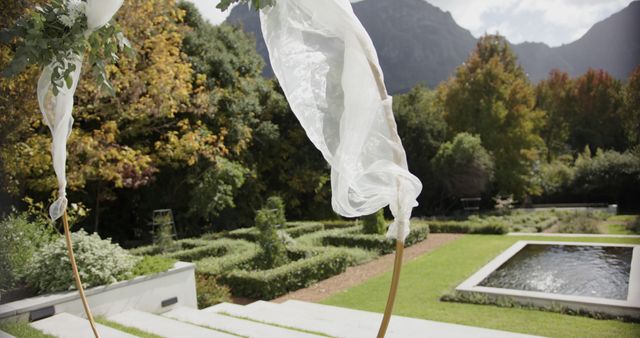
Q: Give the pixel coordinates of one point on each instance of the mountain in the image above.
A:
(419, 43)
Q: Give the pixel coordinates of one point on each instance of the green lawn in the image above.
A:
(428, 277)
(616, 229)
(619, 225)
(22, 330)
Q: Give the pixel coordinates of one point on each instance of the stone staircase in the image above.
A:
(263, 320)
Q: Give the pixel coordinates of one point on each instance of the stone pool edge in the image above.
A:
(623, 308)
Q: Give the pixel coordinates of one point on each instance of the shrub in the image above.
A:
(20, 238)
(248, 234)
(183, 244)
(379, 243)
(150, 265)
(580, 225)
(163, 236)
(464, 166)
(374, 223)
(315, 239)
(495, 227)
(267, 220)
(338, 224)
(99, 262)
(268, 284)
(209, 292)
(209, 249)
(635, 225)
(215, 266)
(303, 228)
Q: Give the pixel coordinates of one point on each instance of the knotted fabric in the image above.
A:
(57, 109)
(330, 74)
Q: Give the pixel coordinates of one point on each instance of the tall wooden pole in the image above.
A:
(76, 275)
(393, 289)
(397, 263)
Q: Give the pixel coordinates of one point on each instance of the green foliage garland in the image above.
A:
(56, 33)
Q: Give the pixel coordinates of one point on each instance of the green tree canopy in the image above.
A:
(463, 166)
(554, 96)
(490, 96)
(598, 119)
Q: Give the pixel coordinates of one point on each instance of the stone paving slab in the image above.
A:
(237, 326)
(164, 327)
(66, 325)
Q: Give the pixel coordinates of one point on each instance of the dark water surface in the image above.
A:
(578, 270)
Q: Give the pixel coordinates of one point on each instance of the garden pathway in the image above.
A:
(358, 274)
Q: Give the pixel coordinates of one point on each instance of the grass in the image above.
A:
(616, 229)
(622, 225)
(23, 330)
(126, 329)
(430, 276)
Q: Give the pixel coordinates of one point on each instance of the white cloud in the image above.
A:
(553, 22)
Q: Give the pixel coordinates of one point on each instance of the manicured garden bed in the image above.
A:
(427, 278)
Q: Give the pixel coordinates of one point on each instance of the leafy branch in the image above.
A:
(255, 4)
(56, 34)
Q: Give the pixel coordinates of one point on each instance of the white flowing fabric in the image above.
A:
(56, 110)
(329, 71)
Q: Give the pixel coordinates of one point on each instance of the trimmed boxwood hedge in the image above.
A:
(248, 234)
(301, 228)
(294, 229)
(183, 244)
(210, 249)
(268, 284)
(216, 266)
(468, 228)
(379, 243)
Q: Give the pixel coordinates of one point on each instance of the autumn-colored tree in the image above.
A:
(120, 142)
(598, 119)
(554, 96)
(490, 96)
(632, 108)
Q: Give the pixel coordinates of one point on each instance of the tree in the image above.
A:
(554, 96)
(261, 132)
(598, 120)
(422, 128)
(464, 166)
(121, 142)
(632, 108)
(490, 96)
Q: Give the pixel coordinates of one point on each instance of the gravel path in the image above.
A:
(358, 274)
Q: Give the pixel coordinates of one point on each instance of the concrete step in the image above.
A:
(5, 335)
(274, 314)
(222, 307)
(398, 326)
(341, 322)
(238, 326)
(66, 325)
(163, 326)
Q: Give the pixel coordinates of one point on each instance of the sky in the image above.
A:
(554, 22)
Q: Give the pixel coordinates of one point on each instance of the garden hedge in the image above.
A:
(268, 284)
(210, 249)
(216, 266)
(378, 243)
